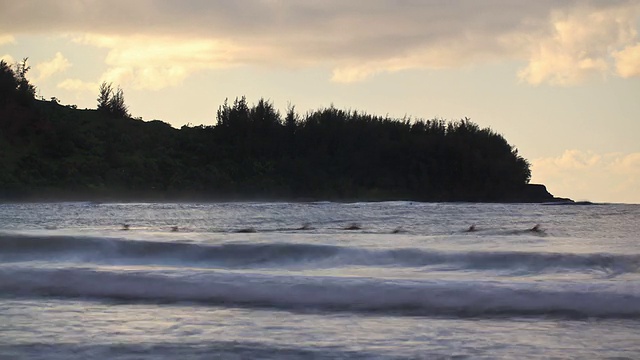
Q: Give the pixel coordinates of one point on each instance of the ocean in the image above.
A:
(320, 280)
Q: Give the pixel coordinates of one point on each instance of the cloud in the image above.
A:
(581, 44)
(562, 42)
(628, 164)
(585, 175)
(6, 39)
(628, 61)
(77, 85)
(575, 159)
(435, 57)
(153, 63)
(58, 64)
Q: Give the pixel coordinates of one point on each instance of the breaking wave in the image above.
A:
(16, 248)
(334, 294)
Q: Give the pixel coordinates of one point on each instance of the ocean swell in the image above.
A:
(16, 248)
(303, 293)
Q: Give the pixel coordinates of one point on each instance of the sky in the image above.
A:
(559, 79)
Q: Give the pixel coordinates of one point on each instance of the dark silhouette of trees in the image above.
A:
(8, 83)
(111, 101)
(26, 91)
(332, 153)
(106, 90)
(255, 152)
(14, 84)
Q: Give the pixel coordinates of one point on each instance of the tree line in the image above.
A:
(252, 152)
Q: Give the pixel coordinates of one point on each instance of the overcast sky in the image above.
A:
(559, 79)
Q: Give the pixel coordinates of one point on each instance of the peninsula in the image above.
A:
(53, 151)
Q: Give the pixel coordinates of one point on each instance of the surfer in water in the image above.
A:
(125, 226)
(174, 229)
(305, 226)
(472, 228)
(353, 226)
(536, 228)
(399, 230)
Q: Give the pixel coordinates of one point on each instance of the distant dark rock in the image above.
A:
(570, 203)
(537, 193)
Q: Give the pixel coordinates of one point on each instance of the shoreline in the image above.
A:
(57, 197)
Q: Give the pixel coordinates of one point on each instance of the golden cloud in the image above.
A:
(585, 175)
(160, 43)
(7, 39)
(628, 61)
(77, 85)
(581, 44)
(154, 63)
(58, 64)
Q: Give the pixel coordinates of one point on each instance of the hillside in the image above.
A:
(50, 151)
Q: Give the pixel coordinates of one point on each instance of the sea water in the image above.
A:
(288, 281)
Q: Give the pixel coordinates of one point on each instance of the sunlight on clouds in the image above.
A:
(352, 74)
(577, 44)
(77, 85)
(362, 71)
(561, 43)
(575, 159)
(434, 57)
(627, 164)
(581, 45)
(628, 61)
(585, 175)
(7, 39)
(154, 63)
(557, 42)
(58, 64)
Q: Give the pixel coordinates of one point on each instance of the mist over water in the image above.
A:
(318, 280)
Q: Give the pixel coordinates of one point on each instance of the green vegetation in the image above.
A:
(253, 152)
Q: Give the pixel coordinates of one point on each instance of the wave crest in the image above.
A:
(235, 255)
(425, 298)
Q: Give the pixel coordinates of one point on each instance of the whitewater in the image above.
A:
(319, 280)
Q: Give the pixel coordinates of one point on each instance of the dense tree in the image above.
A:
(104, 98)
(111, 101)
(25, 90)
(8, 83)
(252, 151)
(14, 85)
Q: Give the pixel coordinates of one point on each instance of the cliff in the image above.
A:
(537, 193)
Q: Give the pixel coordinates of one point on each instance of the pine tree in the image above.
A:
(111, 101)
